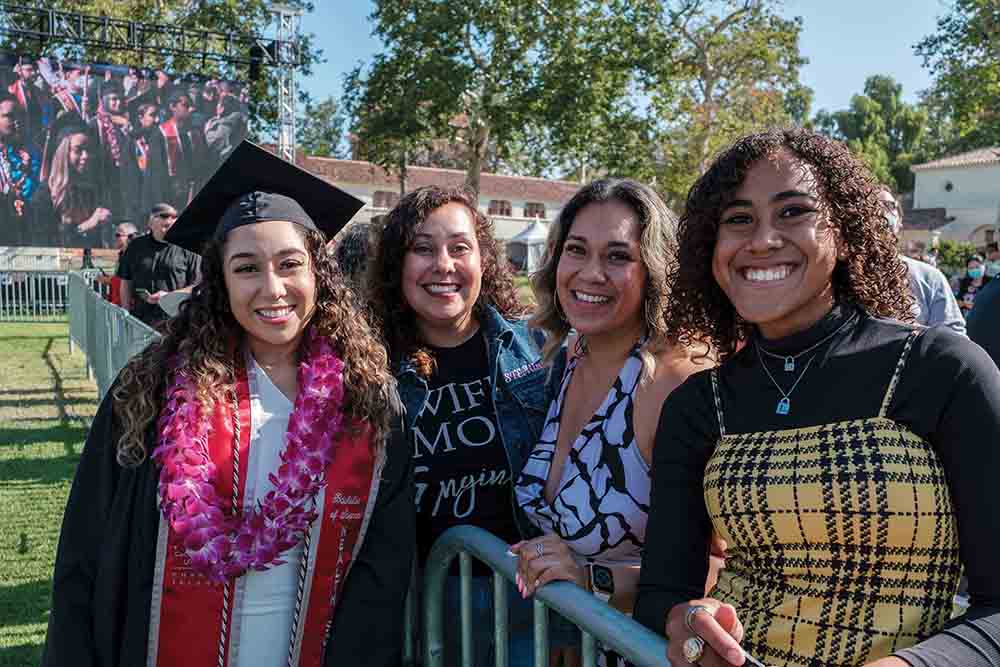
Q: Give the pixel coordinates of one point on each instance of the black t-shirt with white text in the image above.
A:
(461, 469)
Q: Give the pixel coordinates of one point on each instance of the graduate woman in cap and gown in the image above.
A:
(237, 502)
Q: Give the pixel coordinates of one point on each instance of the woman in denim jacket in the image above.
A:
(470, 377)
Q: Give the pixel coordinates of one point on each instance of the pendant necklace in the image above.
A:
(785, 403)
(790, 359)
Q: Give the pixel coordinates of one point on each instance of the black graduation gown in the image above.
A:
(104, 564)
(158, 186)
(119, 186)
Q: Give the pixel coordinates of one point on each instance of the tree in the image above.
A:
(391, 121)
(462, 71)
(320, 129)
(645, 88)
(521, 84)
(718, 70)
(881, 128)
(591, 119)
(226, 16)
(964, 57)
(952, 255)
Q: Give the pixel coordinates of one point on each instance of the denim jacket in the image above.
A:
(518, 397)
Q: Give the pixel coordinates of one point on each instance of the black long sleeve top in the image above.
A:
(948, 394)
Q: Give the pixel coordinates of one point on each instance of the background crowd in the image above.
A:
(86, 147)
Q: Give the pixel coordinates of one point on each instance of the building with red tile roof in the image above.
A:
(966, 187)
(512, 201)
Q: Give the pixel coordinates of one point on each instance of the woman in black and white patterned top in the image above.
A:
(605, 527)
(586, 484)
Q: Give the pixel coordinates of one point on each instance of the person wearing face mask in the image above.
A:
(993, 261)
(975, 279)
(935, 302)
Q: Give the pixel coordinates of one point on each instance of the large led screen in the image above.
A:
(86, 147)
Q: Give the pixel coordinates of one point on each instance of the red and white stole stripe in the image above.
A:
(17, 90)
(142, 152)
(192, 620)
(174, 146)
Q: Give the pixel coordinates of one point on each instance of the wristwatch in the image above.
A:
(602, 581)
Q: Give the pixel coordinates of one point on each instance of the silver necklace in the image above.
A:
(785, 403)
(790, 359)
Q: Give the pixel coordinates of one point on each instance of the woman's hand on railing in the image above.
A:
(716, 624)
(545, 559)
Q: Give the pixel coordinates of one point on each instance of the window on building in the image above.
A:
(385, 199)
(534, 210)
(499, 207)
(991, 236)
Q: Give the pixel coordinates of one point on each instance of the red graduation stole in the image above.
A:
(174, 147)
(17, 90)
(142, 152)
(192, 619)
(68, 101)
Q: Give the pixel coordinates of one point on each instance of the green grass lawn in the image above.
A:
(46, 404)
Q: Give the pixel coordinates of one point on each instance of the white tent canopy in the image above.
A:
(527, 250)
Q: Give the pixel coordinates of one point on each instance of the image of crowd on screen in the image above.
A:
(87, 147)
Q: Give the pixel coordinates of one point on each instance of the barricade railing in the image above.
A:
(598, 622)
(107, 334)
(38, 296)
(109, 337)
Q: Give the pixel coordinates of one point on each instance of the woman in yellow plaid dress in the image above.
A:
(846, 456)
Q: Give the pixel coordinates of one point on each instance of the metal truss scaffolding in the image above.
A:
(288, 39)
(32, 29)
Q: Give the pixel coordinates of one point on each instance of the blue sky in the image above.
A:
(844, 40)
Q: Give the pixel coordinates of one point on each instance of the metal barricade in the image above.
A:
(107, 334)
(38, 296)
(598, 621)
(109, 337)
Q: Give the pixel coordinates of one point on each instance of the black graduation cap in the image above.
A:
(254, 185)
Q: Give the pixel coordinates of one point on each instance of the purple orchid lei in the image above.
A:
(222, 546)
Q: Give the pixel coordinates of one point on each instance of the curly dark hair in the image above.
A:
(872, 276)
(391, 239)
(204, 332)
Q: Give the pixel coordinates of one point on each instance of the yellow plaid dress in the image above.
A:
(843, 542)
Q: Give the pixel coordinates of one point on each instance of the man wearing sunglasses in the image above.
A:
(151, 268)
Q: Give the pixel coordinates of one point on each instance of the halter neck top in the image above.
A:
(601, 505)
